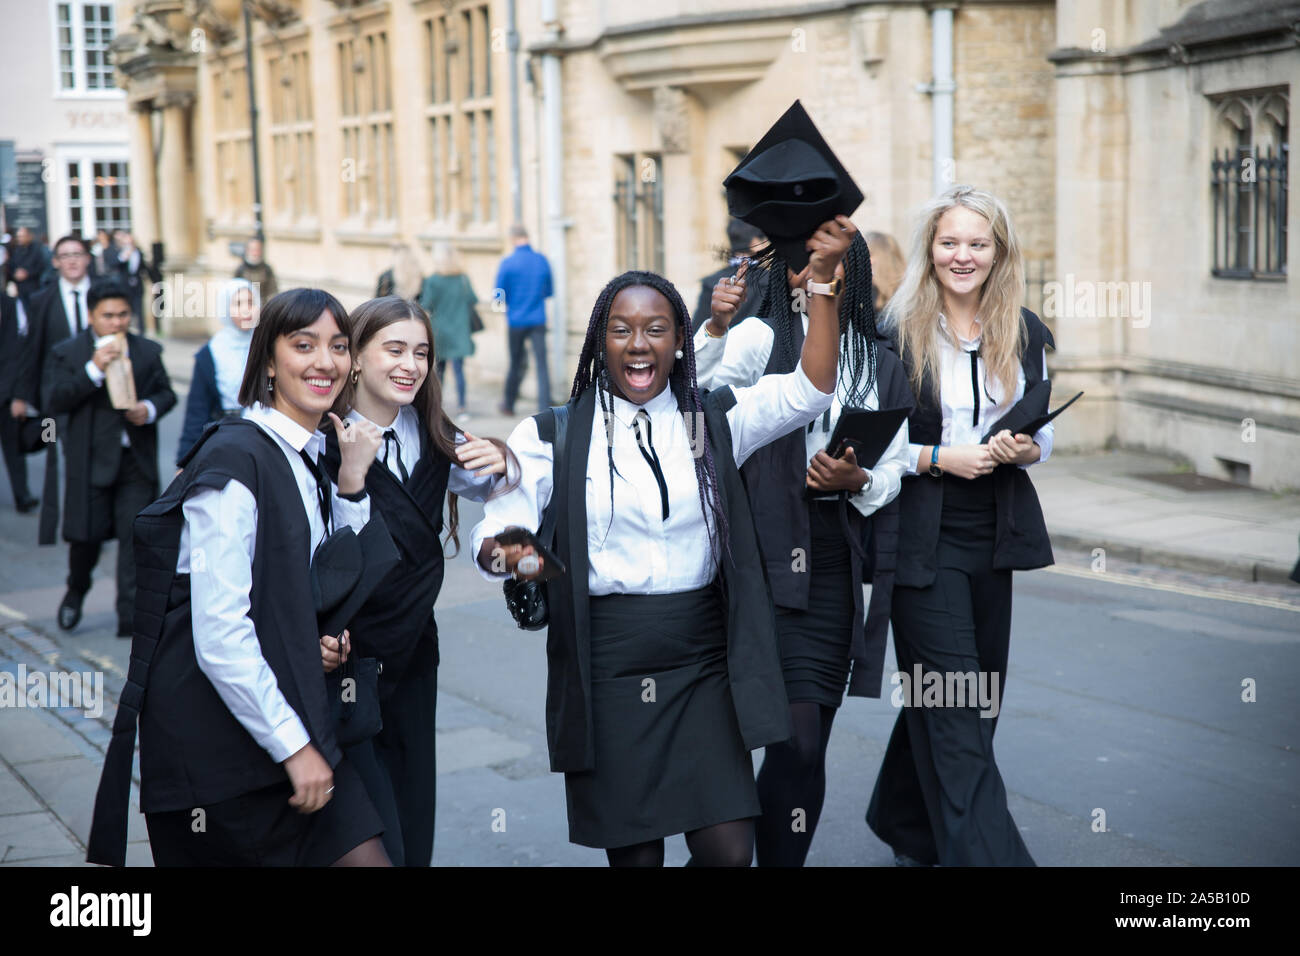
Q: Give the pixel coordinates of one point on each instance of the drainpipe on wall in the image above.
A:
(555, 224)
(512, 48)
(941, 90)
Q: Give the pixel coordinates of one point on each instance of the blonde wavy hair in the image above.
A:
(913, 312)
(406, 272)
(887, 266)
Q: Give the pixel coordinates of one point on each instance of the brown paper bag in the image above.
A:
(120, 379)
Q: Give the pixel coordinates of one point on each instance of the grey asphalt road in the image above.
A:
(1125, 696)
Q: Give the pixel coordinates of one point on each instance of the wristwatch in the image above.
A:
(832, 288)
(935, 470)
(866, 484)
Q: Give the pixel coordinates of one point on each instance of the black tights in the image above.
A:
(370, 853)
(723, 844)
(792, 787)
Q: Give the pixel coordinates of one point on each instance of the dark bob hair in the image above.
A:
(284, 314)
(106, 289)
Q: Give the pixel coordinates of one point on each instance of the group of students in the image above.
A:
(683, 479)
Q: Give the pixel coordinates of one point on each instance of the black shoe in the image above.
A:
(70, 610)
(902, 859)
(27, 505)
(503, 409)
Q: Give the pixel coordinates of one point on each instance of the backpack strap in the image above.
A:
(553, 427)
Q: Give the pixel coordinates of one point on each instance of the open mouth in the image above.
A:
(321, 386)
(639, 374)
(962, 272)
(402, 382)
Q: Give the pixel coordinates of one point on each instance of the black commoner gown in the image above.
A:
(396, 625)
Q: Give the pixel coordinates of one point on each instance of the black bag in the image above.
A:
(31, 435)
(475, 322)
(526, 600)
(354, 699)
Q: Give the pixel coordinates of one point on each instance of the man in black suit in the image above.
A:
(26, 264)
(13, 334)
(57, 311)
(111, 455)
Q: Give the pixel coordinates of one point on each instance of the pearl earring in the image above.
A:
(270, 385)
(678, 353)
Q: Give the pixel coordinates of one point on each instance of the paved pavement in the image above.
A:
(1125, 691)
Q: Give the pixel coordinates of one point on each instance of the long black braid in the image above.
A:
(593, 370)
(857, 371)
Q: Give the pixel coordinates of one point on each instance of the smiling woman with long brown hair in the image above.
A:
(663, 668)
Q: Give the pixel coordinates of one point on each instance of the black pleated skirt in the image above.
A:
(815, 643)
(669, 755)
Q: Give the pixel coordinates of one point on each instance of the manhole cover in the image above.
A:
(1188, 481)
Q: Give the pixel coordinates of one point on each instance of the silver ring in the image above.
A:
(330, 790)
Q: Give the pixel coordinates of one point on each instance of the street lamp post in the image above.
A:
(252, 123)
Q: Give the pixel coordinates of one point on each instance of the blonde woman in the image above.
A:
(968, 517)
(449, 299)
(402, 278)
(887, 268)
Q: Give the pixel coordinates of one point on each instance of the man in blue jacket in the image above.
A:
(524, 283)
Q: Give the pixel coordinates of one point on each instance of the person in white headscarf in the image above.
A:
(219, 365)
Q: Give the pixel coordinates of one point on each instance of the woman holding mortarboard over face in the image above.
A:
(662, 663)
(968, 517)
(226, 674)
(424, 460)
(818, 512)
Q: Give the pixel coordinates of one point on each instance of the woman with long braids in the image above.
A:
(816, 549)
(968, 517)
(423, 461)
(663, 670)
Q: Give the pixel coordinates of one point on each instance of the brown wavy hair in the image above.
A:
(367, 320)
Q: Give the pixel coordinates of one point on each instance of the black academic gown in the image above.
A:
(92, 436)
(47, 325)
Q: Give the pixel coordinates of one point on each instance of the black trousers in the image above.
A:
(15, 460)
(112, 515)
(519, 339)
(939, 797)
(405, 756)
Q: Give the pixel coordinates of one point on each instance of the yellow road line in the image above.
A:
(1153, 585)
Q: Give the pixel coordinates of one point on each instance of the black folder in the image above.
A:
(869, 433)
(1030, 414)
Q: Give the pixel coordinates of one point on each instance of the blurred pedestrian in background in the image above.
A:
(449, 299)
(219, 365)
(743, 240)
(256, 270)
(524, 282)
(128, 264)
(402, 278)
(27, 263)
(102, 253)
(13, 334)
(887, 267)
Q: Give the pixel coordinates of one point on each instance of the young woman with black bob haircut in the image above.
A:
(969, 516)
(825, 524)
(423, 461)
(226, 671)
(663, 667)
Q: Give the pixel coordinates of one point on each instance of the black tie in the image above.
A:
(76, 311)
(322, 490)
(975, 387)
(648, 452)
(391, 435)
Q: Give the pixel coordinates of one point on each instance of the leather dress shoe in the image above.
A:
(70, 610)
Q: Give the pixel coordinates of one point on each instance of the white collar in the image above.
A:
(968, 345)
(662, 404)
(293, 434)
(65, 286)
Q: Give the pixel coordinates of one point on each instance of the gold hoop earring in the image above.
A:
(356, 374)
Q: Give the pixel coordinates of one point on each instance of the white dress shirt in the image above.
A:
(70, 307)
(739, 358)
(216, 550)
(631, 547)
(97, 376)
(957, 400)
(407, 428)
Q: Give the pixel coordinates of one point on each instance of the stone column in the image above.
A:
(175, 179)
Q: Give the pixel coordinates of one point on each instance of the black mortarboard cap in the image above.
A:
(346, 569)
(789, 184)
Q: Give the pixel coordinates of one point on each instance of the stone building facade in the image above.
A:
(384, 120)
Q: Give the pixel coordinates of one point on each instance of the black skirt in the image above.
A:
(669, 755)
(815, 643)
(968, 524)
(261, 829)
